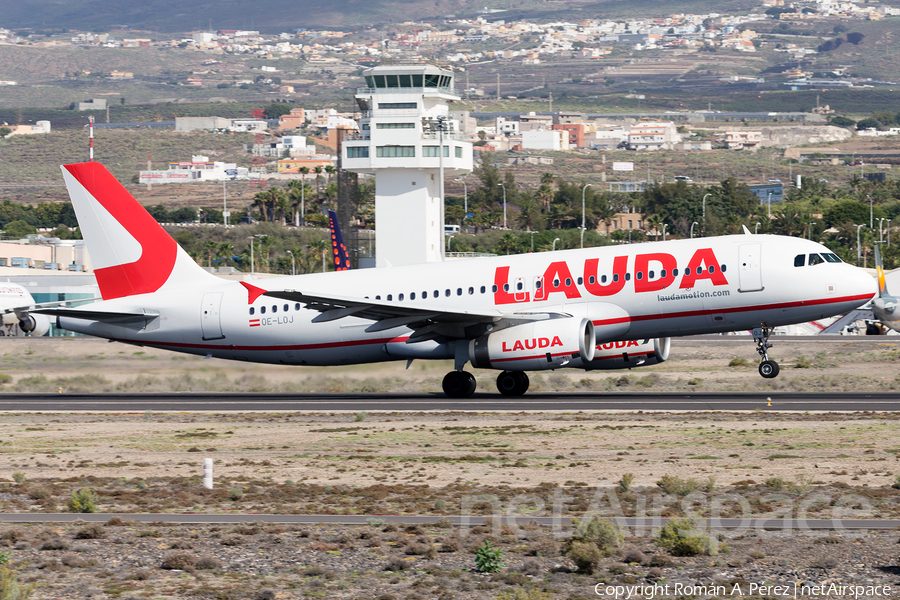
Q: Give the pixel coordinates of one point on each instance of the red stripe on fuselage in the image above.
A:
(736, 309)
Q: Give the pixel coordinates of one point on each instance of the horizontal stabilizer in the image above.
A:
(96, 315)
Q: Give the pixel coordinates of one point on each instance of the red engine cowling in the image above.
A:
(630, 354)
(535, 346)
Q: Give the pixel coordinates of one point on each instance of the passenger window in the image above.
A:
(412, 296)
(519, 285)
(505, 287)
(712, 268)
(483, 289)
(459, 291)
(615, 278)
(603, 279)
(674, 272)
(378, 297)
(593, 280)
(640, 275)
(722, 267)
(390, 297)
(252, 310)
(568, 282)
(662, 273)
(437, 294)
(627, 276)
(262, 310)
(274, 308)
(493, 288)
(286, 308)
(447, 292)
(580, 281)
(815, 259)
(556, 283)
(400, 297)
(650, 275)
(538, 284)
(471, 291)
(799, 260)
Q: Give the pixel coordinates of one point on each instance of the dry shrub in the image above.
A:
(91, 531)
(179, 561)
(207, 563)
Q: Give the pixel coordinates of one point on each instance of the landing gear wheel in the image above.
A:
(458, 384)
(512, 383)
(769, 369)
(470, 384)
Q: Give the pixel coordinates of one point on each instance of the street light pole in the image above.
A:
(293, 270)
(664, 230)
(692, 228)
(871, 213)
(554, 244)
(583, 190)
(251, 258)
(449, 237)
(858, 249)
(881, 221)
(756, 229)
(769, 206)
(889, 233)
(809, 231)
(531, 233)
(504, 204)
(704, 207)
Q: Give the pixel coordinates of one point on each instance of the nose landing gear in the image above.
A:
(767, 368)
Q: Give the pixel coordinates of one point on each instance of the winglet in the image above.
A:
(253, 292)
(879, 267)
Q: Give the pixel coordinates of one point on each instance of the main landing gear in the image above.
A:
(459, 384)
(767, 368)
(512, 383)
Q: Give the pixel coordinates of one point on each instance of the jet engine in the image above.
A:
(34, 325)
(630, 354)
(535, 346)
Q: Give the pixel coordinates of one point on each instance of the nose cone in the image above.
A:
(861, 284)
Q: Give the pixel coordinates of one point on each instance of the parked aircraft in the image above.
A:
(884, 305)
(510, 313)
(16, 305)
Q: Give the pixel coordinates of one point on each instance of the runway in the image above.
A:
(637, 524)
(486, 402)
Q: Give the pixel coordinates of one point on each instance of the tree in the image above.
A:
(19, 229)
(275, 110)
(5, 131)
(840, 121)
(855, 38)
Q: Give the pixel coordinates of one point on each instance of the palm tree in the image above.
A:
(508, 242)
(318, 171)
(329, 171)
(210, 246)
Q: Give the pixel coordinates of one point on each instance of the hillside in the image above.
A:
(283, 15)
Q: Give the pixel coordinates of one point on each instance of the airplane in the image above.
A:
(606, 307)
(16, 307)
(884, 305)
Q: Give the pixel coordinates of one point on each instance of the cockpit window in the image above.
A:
(832, 258)
(799, 260)
(815, 259)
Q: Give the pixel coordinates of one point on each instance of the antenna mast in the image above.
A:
(91, 129)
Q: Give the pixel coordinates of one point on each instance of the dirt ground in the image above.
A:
(520, 465)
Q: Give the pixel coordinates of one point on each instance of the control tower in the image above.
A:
(409, 142)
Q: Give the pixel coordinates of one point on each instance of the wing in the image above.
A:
(427, 324)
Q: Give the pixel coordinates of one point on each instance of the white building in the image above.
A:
(200, 168)
(653, 136)
(409, 141)
(545, 139)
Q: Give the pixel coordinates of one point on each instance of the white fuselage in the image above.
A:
(630, 292)
(13, 295)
